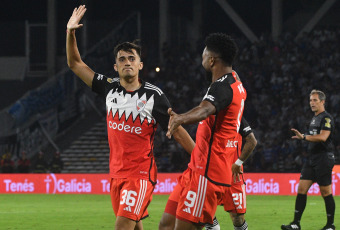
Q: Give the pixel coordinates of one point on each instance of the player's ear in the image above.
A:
(115, 67)
(140, 66)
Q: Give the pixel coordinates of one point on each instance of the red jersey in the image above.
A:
(217, 135)
(132, 119)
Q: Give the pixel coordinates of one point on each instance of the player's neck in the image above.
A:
(130, 84)
(220, 71)
(319, 111)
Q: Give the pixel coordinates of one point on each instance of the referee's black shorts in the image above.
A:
(320, 171)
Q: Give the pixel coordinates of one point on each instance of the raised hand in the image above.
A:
(174, 122)
(77, 15)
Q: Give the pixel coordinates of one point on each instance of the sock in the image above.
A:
(244, 226)
(330, 208)
(300, 204)
(214, 226)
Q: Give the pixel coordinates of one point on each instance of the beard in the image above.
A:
(208, 76)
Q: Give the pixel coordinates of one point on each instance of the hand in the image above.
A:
(298, 135)
(236, 170)
(77, 15)
(174, 122)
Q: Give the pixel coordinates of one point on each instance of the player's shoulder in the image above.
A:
(227, 78)
(323, 116)
(326, 114)
(150, 87)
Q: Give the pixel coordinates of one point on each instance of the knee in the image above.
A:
(165, 225)
(325, 191)
(302, 190)
(238, 220)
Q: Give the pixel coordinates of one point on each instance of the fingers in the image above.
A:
(168, 134)
(170, 112)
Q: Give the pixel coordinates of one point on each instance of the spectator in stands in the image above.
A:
(40, 165)
(24, 164)
(56, 164)
(7, 164)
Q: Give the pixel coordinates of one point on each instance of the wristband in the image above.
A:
(304, 137)
(238, 162)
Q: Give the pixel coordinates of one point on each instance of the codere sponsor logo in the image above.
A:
(125, 128)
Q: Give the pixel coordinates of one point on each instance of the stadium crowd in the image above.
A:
(278, 77)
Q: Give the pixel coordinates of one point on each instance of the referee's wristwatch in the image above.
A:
(304, 137)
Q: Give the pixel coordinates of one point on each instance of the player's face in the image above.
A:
(315, 104)
(128, 64)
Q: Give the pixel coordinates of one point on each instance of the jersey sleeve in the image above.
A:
(220, 94)
(327, 123)
(160, 111)
(245, 128)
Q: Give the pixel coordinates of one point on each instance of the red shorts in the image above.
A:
(235, 199)
(198, 198)
(130, 197)
(171, 205)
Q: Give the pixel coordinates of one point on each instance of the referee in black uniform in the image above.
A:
(321, 161)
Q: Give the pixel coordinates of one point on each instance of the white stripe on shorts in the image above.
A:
(199, 203)
(141, 195)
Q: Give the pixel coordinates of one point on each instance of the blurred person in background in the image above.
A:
(318, 168)
(7, 164)
(40, 164)
(56, 164)
(24, 164)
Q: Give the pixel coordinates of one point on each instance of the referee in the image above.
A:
(321, 161)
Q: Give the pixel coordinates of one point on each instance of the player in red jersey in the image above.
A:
(208, 178)
(134, 110)
(237, 205)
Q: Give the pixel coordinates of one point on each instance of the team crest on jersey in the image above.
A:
(140, 105)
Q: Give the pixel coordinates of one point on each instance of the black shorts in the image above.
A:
(320, 172)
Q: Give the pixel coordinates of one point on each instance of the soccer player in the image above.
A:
(134, 109)
(321, 161)
(237, 207)
(206, 183)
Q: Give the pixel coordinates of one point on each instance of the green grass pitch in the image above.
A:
(31, 211)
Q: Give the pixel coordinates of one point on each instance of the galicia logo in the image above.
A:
(55, 185)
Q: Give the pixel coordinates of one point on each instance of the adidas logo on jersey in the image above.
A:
(128, 208)
(239, 207)
(187, 210)
(231, 144)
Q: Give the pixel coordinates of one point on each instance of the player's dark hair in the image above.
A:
(223, 45)
(322, 95)
(127, 47)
